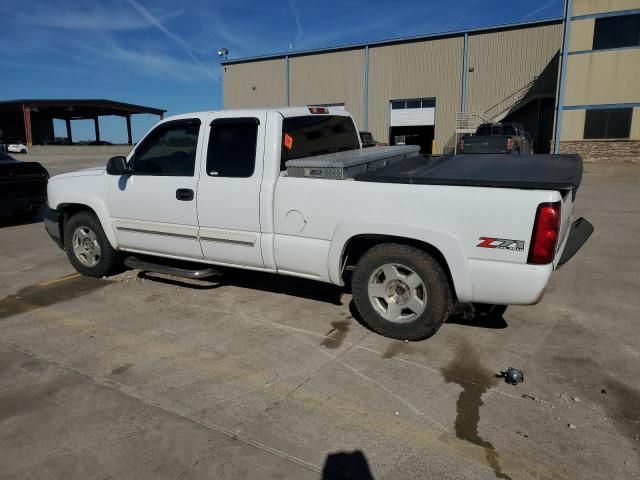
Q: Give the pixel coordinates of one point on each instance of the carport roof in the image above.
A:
(79, 108)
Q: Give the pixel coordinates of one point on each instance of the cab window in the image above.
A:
(170, 150)
(232, 147)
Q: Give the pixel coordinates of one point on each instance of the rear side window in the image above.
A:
(484, 131)
(508, 130)
(315, 135)
(169, 150)
(232, 147)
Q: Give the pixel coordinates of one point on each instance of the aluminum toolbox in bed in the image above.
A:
(348, 164)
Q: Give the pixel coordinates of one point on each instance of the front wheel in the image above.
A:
(87, 246)
(401, 292)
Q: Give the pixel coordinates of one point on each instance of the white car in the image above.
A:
(17, 148)
(290, 191)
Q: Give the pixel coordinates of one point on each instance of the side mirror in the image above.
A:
(118, 166)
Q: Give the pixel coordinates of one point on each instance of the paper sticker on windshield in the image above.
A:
(288, 141)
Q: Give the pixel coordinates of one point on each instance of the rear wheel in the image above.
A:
(401, 292)
(87, 246)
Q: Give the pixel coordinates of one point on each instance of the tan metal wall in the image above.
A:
(505, 61)
(603, 77)
(336, 77)
(581, 35)
(268, 78)
(588, 7)
(421, 69)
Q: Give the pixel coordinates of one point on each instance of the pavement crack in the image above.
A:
(127, 392)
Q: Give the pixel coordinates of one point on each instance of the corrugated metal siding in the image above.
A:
(416, 70)
(336, 77)
(506, 61)
(588, 7)
(603, 77)
(268, 78)
(581, 35)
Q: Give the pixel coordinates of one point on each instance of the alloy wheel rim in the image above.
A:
(397, 293)
(86, 247)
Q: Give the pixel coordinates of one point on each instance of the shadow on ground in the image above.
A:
(346, 466)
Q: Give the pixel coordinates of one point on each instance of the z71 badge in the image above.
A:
(501, 243)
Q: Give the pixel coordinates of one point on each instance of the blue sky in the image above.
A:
(163, 53)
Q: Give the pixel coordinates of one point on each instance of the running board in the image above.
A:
(146, 266)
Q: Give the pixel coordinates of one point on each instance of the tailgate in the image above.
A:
(566, 216)
(493, 144)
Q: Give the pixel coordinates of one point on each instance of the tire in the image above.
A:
(23, 151)
(410, 301)
(87, 246)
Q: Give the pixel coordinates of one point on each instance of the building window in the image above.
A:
(608, 123)
(417, 103)
(617, 32)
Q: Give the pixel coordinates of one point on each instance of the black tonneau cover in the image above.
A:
(540, 172)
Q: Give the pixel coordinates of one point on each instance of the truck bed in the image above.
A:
(540, 172)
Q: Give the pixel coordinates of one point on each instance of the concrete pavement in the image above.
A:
(258, 376)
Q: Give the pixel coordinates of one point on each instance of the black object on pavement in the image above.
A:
(513, 376)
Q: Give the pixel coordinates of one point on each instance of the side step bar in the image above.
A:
(146, 266)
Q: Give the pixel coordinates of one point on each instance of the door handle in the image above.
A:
(184, 194)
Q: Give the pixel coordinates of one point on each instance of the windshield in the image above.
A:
(315, 135)
(484, 131)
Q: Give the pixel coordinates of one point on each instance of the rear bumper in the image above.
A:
(580, 232)
(53, 225)
(504, 283)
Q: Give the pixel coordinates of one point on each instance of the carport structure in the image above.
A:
(32, 119)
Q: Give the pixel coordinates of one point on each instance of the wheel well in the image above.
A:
(357, 246)
(68, 210)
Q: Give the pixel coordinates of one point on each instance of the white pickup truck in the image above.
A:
(290, 191)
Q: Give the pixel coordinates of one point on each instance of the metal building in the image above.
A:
(599, 95)
(421, 90)
(578, 72)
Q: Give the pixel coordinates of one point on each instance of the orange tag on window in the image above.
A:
(288, 141)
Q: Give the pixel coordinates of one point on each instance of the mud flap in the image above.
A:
(580, 232)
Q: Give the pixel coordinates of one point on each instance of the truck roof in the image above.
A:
(284, 111)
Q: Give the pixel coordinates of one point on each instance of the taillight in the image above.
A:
(509, 143)
(461, 145)
(318, 110)
(545, 234)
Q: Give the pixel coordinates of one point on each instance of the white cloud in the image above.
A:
(83, 16)
(542, 8)
(296, 15)
(157, 22)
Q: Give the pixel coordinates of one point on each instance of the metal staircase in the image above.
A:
(542, 86)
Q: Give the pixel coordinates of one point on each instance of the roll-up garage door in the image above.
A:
(406, 113)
